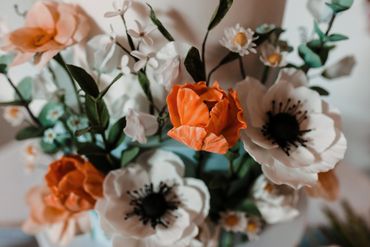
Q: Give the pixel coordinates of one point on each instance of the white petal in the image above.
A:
(276, 214)
(110, 14)
(259, 154)
(149, 123)
(139, 65)
(134, 127)
(258, 138)
(279, 92)
(310, 99)
(295, 76)
(302, 155)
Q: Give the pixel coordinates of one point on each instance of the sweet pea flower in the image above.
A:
(119, 8)
(142, 33)
(342, 68)
(319, 10)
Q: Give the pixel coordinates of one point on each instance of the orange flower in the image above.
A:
(205, 118)
(75, 184)
(49, 28)
(327, 187)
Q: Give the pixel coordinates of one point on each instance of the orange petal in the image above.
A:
(40, 16)
(218, 117)
(191, 136)
(191, 109)
(172, 106)
(65, 28)
(215, 144)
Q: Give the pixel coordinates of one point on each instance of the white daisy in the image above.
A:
(272, 56)
(277, 203)
(145, 57)
(342, 68)
(55, 113)
(142, 33)
(139, 125)
(254, 227)
(124, 65)
(240, 40)
(15, 115)
(149, 203)
(119, 8)
(233, 221)
(292, 132)
(319, 10)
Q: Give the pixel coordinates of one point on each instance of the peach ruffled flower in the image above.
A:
(60, 225)
(327, 186)
(205, 118)
(75, 184)
(49, 28)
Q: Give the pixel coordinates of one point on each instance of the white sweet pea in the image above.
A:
(102, 53)
(119, 8)
(277, 203)
(150, 203)
(233, 221)
(145, 57)
(124, 65)
(139, 125)
(342, 68)
(142, 33)
(292, 132)
(240, 40)
(15, 115)
(319, 10)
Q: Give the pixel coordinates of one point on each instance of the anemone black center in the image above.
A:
(154, 207)
(283, 125)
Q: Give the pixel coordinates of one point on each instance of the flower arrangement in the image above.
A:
(162, 153)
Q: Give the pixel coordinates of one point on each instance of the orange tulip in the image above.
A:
(74, 183)
(49, 28)
(205, 118)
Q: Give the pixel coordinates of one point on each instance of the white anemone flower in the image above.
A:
(15, 115)
(341, 68)
(277, 203)
(292, 132)
(233, 221)
(272, 56)
(139, 125)
(120, 7)
(240, 40)
(142, 33)
(150, 203)
(319, 10)
(145, 57)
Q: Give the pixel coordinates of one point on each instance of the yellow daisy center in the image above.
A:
(13, 112)
(274, 59)
(231, 220)
(30, 150)
(252, 227)
(240, 39)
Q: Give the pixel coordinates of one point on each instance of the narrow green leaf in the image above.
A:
(86, 82)
(337, 37)
(116, 132)
(105, 91)
(194, 65)
(97, 112)
(310, 58)
(29, 132)
(222, 9)
(145, 85)
(129, 155)
(159, 24)
(318, 31)
(320, 90)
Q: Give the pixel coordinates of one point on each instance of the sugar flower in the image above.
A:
(253, 228)
(75, 123)
(50, 27)
(149, 203)
(233, 221)
(342, 68)
(240, 40)
(319, 10)
(124, 65)
(293, 133)
(327, 186)
(205, 118)
(119, 8)
(272, 56)
(142, 33)
(75, 184)
(15, 115)
(139, 125)
(145, 56)
(277, 203)
(55, 113)
(60, 225)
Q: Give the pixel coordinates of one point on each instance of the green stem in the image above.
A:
(204, 52)
(125, 50)
(201, 155)
(25, 104)
(265, 74)
(211, 73)
(330, 25)
(130, 41)
(242, 69)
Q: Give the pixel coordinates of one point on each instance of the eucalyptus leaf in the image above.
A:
(310, 58)
(43, 116)
(29, 132)
(318, 31)
(97, 112)
(129, 155)
(194, 65)
(86, 82)
(320, 90)
(340, 5)
(222, 9)
(25, 89)
(337, 37)
(159, 25)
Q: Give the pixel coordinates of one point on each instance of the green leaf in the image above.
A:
(43, 116)
(105, 91)
(250, 208)
(97, 156)
(25, 88)
(3, 68)
(12, 103)
(272, 34)
(194, 65)
(159, 24)
(265, 28)
(5, 61)
(97, 112)
(48, 148)
(116, 133)
(320, 90)
(86, 82)
(314, 44)
(310, 58)
(230, 57)
(145, 85)
(129, 155)
(29, 132)
(337, 37)
(318, 31)
(223, 7)
(340, 5)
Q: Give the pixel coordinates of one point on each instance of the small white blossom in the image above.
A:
(272, 56)
(119, 8)
(50, 136)
(254, 228)
(144, 56)
(319, 10)
(124, 65)
(233, 221)
(139, 125)
(75, 123)
(342, 68)
(142, 33)
(54, 114)
(15, 115)
(240, 40)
